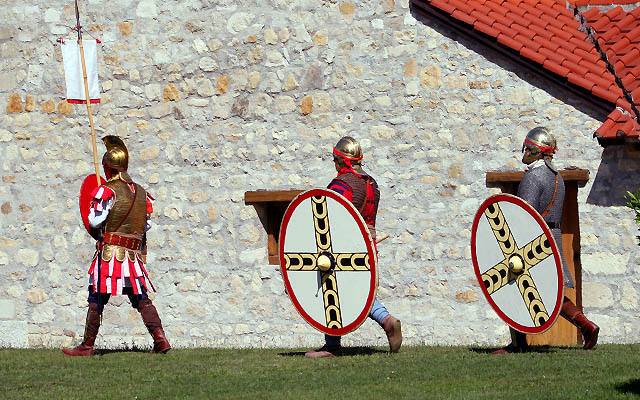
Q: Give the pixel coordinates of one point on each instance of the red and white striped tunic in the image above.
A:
(123, 268)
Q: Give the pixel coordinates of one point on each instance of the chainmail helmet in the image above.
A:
(348, 152)
(539, 143)
(117, 156)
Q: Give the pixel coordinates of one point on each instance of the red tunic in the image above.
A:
(122, 267)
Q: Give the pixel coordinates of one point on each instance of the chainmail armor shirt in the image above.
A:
(536, 188)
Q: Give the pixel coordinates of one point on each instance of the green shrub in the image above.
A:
(633, 202)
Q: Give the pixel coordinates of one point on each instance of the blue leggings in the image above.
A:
(378, 313)
(104, 297)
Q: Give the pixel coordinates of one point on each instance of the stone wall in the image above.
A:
(215, 98)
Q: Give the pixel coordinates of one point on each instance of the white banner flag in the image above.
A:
(73, 71)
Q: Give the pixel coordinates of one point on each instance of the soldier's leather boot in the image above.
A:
(393, 328)
(91, 327)
(152, 321)
(588, 329)
(518, 343)
(324, 351)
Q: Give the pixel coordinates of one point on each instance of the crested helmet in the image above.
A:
(117, 156)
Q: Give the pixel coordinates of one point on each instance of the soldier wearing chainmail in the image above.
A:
(120, 209)
(543, 188)
(362, 190)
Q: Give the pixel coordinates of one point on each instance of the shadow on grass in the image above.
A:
(104, 352)
(532, 349)
(632, 386)
(346, 351)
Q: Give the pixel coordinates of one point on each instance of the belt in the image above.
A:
(553, 225)
(129, 242)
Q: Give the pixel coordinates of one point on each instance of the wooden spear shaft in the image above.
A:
(86, 93)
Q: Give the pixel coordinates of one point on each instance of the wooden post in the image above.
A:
(86, 92)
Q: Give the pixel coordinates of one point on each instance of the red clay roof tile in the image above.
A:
(553, 44)
(464, 17)
(578, 79)
(620, 45)
(565, 44)
(627, 126)
(507, 41)
(482, 17)
(634, 34)
(484, 28)
(532, 55)
(569, 55)
(526, 42)
(556, 68)
(604, 93)
(478, 6)
(591, 13)
(631, 58)
(502, 18)
(443, 5)
(614, 12)
(514, 8)
(531, 10)
(610, 33)
(541, 31)
(615, 115)
(546, 32)
(606, 127)
(624, 104)
(551, 55)
(505, 29)
(585, 55)
(626, 23)
(577, 69)
(581, 42)
(522, 29)
(601, 23)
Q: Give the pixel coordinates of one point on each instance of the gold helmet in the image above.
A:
(540, 141)
(117, 156)
(348, 152)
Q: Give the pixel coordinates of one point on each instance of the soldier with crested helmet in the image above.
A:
(120, 209)
(543, 188)
(362, 190)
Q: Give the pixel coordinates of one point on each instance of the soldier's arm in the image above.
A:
(150, 201)
(100, 206)
(530, 190)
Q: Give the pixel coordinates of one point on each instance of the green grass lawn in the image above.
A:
(609, 372)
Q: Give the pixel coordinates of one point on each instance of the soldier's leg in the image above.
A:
(391, 325)
(151, 320)
(518, 343)
(588, 329)
(92, 325)
(331, 348)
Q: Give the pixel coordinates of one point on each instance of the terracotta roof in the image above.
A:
(547, 33)
(617, 34)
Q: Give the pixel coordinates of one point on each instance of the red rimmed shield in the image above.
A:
(328, 261)
(517, 263)
(88, 186)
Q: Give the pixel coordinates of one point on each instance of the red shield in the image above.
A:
(517, 263)
(89, 184)
(328, 261)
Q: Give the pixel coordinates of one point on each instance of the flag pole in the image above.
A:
(86, 93)
(95, 156)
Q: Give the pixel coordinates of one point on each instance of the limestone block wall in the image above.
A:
(215, 98)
